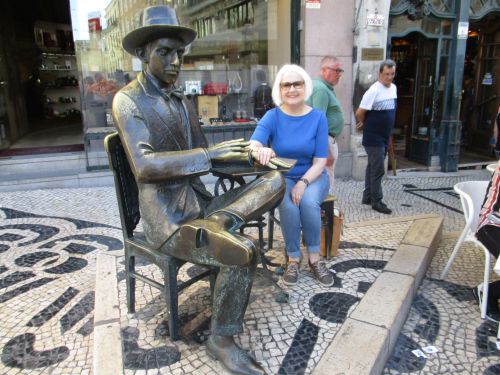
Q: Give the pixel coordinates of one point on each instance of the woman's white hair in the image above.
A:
(291, 68)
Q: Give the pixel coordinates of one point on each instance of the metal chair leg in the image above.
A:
(171, 295)
(270, 229)
(130, 281)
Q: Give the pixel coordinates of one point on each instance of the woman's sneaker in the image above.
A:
(322, 273)
(291, 275)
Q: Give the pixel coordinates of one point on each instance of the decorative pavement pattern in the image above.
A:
(47, 289)
(445, 315)
(287, 338)
(49, 241)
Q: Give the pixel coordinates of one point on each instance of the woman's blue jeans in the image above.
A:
(306, 216)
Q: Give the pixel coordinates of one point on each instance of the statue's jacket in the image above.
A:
(167, 155)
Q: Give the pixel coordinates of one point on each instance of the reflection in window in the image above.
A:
(236, 40)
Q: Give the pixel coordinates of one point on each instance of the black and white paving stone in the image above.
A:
(49, 240)
(287, 338)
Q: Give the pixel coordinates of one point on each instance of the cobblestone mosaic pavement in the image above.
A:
(49, 241)
(445, 315)
(286, 338)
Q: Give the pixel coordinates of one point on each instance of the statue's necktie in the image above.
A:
(167, 93)
(177, 93)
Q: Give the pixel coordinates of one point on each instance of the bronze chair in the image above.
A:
(135, 243)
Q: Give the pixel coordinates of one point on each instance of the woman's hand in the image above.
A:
(263, 154)
(298, 192)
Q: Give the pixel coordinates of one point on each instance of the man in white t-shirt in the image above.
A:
(376, 116)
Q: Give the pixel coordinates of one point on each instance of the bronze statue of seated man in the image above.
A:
(168, 153)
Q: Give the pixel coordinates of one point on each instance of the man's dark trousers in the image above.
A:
(374, 172)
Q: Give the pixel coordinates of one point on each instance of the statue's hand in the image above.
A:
(235, 149)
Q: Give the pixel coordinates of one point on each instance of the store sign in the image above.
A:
(375, 20)
(313, 4)
(463, 30)
(372, 54)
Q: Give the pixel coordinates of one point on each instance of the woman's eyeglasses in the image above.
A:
(288, 85)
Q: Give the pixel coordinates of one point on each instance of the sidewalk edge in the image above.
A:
(107, 357)
(384, 324)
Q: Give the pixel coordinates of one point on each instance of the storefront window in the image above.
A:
(446, 27)
(443, 6)
(480, 7)
(440, 7)
(489, 88)
(226, 72)
(431, 25)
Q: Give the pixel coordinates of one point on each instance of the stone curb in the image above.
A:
(397, 219)
(366, 340)
(107, 357)
(80, 180)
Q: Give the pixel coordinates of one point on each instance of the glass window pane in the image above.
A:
(235, 53)
(446, 27)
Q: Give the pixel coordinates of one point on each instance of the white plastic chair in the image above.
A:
(491, 167)
(472, 195)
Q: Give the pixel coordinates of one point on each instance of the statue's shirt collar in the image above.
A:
(166, 93)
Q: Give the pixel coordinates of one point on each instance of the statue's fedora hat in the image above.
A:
(157, 22)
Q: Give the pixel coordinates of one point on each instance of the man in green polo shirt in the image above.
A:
(324, 98)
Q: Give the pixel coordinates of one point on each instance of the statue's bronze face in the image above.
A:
(164, 57)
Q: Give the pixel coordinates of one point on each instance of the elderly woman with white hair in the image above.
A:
(297, 131)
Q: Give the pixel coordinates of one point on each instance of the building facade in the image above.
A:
(447, 53)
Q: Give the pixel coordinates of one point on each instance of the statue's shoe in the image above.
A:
(226, 247)
(234, 359)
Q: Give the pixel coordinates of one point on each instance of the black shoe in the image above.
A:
(493, 315)
(366, 201)
(492, 312)
(382, 208)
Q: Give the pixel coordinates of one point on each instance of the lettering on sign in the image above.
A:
(372, 54)
(375, 20)
(313, 4)
(463, 30)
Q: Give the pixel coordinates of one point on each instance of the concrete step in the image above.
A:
(32, 166)
(80, 180)
(58, 170)
(14, 167)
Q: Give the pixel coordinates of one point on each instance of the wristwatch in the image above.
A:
(305, 181)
